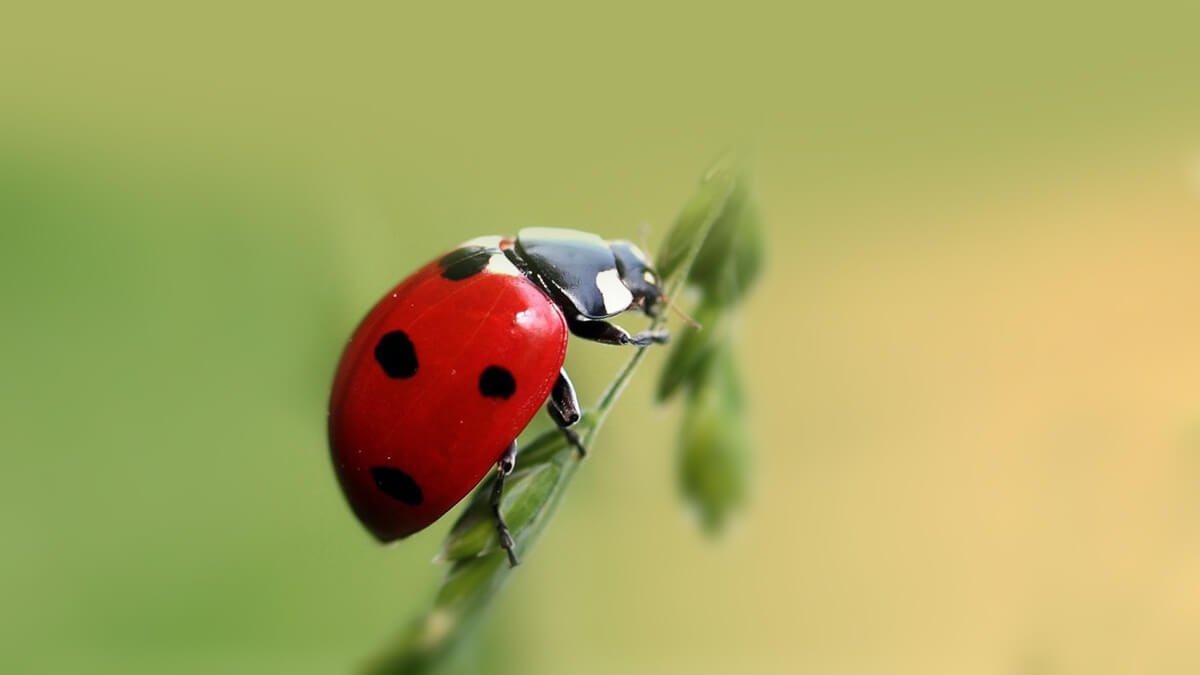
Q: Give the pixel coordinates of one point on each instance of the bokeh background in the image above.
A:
(974, 358)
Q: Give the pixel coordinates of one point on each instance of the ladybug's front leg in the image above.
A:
(564, 410)
(612, 334)
(504, 467)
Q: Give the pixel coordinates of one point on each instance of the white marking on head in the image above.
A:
(617, 298)
(500, 264)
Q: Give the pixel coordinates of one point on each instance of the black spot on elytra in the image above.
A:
(496, 382)
(465, 262)
(396, 355)
(398, 485)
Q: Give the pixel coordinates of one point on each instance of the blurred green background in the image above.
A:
(974, 359)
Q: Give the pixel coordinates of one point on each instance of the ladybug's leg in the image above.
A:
(564, 409)
(611, 334)
(504, 467)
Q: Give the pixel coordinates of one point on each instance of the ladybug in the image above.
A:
(446, 370)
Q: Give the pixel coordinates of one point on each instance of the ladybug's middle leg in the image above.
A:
(504, 467)
(564, 410)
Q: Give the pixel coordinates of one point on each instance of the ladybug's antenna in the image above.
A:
(681, 314)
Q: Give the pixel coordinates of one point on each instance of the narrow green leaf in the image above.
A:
(468, 581)
(745, 255)
(731, 258)
(551, 446)
(714, 451)
(700, 212)
(692, 349)
(525, 493)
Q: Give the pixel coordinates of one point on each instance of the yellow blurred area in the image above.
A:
(973, 359)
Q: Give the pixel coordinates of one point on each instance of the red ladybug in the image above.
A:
(451, 365)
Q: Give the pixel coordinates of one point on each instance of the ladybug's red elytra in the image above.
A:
(448, 368)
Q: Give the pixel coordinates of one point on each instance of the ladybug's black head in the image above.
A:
(638, 276)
